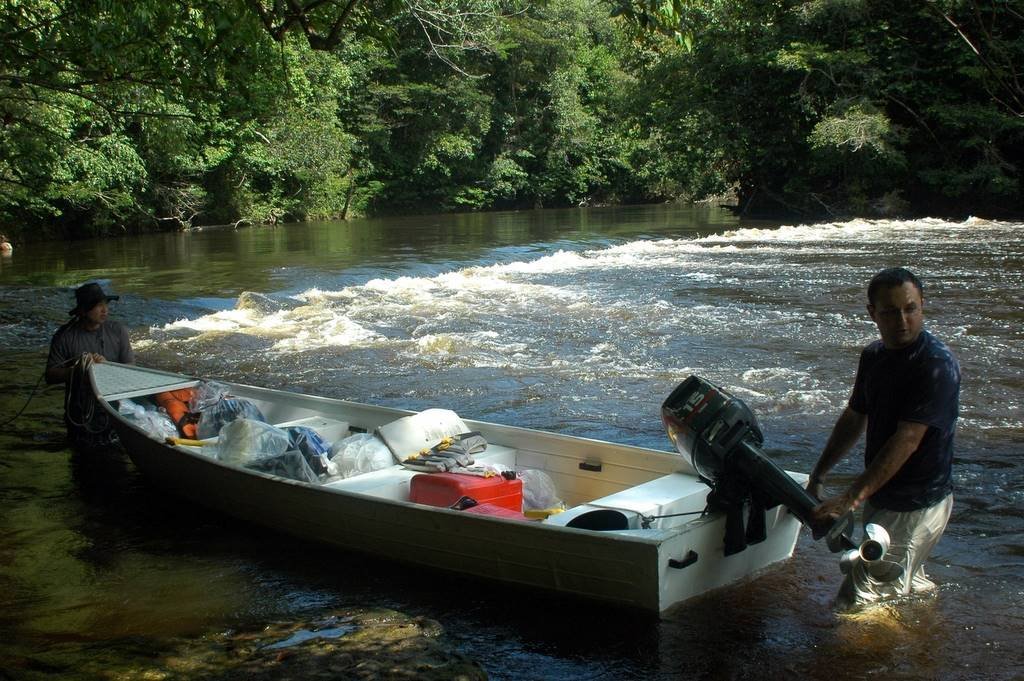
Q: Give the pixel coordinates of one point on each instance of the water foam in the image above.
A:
(733, 302)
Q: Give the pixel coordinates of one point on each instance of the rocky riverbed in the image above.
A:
(358, 645)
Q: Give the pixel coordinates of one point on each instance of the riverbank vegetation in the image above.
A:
(152, 114)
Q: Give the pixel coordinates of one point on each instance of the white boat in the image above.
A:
(663, 551)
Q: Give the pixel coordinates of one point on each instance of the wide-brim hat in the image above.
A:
(87, 296)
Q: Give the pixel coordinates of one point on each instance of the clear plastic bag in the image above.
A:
(247, 440)
(292, 465)
(207, 394)
(157, 424)
(130, 409)
(224, 411)
(539, 491)
(361, 453)
(317, 452)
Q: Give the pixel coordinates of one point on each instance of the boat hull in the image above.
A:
(649, 569)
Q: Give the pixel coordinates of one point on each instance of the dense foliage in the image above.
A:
(155, 113)
(853, 105)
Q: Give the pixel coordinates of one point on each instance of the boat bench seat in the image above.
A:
(657, 495)
(390, 483)
(667, 495)
(329, 429)
(497, 454)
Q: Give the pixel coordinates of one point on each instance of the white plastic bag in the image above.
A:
(157, 424)
(539, 491)
(207, 394)
(361, 453)
(130, 409)
(245, 440)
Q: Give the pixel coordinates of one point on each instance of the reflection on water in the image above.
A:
(574, 321)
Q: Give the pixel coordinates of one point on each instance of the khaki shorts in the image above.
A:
(912, 536)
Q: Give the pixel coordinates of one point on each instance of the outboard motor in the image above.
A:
(719, 436)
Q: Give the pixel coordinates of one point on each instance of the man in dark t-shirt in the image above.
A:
(906, 398)
(89, 334)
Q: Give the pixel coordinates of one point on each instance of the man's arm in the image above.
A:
(845, 434)
(126, 354)
(58, 365)
(894, 453)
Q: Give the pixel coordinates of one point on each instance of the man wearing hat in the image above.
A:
(90, 333)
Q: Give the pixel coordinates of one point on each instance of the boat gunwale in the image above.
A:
(635, 565)
(652, 536)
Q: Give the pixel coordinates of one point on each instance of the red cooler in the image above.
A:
(444, 489)
(496, 512)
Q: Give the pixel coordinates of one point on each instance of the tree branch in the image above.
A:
(1013, 88)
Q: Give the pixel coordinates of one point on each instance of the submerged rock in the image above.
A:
(359, 645)
(262, 303)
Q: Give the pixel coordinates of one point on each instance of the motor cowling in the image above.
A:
(719, 435)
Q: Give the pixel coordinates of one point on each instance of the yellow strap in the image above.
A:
(542, 513)
(188, 443)
(444, 444)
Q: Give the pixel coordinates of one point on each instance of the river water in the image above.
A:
(576, 321)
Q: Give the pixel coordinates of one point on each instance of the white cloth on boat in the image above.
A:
(912, 536)
(419, 432)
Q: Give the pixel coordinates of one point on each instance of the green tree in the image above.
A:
(291, 159)
(834, 106)
(103, 103)
(116, 115)
(561, 91)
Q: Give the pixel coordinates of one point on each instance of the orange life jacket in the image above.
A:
(175, 403)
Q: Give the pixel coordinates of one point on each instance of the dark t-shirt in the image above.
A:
(919, 383)
(88, 427)
(71, 342)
